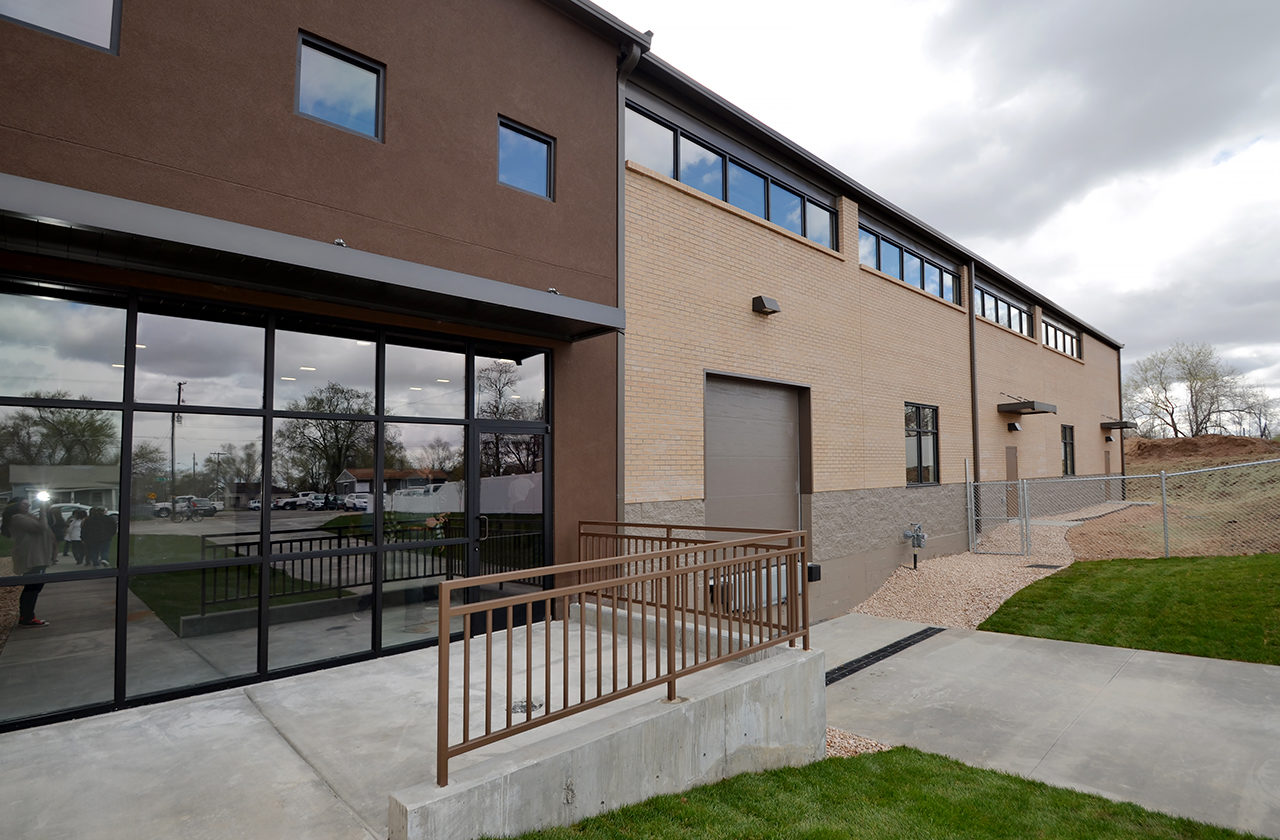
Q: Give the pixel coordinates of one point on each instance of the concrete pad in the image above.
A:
(853, 635)
(208, 768)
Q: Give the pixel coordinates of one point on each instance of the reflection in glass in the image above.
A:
(320, 608)
(911, 270)
(818, 223)
(410, 595)
(511, 388)
(338, 90)
(949, 288)
(190, 627)
(91, 21)
(650, 144)
(322, 373)
(424, 382)
(194, 476)
(867, 248)
(785, 208)
(325, 456)
(932, 279)
(746, 189)
(511, 522)
(524, 161)
(63, 666)
(61, 349)
(65, 464)
(426, 501)
(701, 168)
(913, 457)
(890, 259)
(216, 364)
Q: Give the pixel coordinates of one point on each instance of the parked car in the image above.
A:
(67, 508)
(357, 501)
(324, 501)
(255, 504)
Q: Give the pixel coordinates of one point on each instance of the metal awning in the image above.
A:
(1027, 407)
(1119, 424)
(53, 220)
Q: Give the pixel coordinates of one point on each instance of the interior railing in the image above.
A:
(650, 604)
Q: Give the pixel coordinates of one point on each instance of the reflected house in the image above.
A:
(346, 272)
(94, 484)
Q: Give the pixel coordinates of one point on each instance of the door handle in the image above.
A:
(484, 523)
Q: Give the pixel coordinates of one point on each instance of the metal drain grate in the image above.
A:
(868, 659)
(1042, 566)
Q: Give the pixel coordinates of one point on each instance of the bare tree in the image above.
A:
(1188, 390)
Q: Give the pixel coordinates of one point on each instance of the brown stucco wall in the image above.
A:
(197, 113)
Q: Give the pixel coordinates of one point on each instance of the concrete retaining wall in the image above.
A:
(734, 718)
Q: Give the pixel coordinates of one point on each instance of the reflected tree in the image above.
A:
(311, 452)
(59, 436)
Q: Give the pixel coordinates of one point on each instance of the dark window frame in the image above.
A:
(1020, 318)
(1061, 338)
(1068, 450)
(307, 40)
(921, 434)
(944, 273)
(805, 198)
(112, 49)
(533, 134)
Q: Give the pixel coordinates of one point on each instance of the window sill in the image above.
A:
(1057, 352)
(985, 320)
(726, 206)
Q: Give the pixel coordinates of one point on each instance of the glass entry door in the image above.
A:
(509, 521)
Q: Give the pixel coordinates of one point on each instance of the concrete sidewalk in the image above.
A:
(1184, 735)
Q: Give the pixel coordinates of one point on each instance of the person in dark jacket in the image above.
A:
(33, 548)
(53, 518)
(97, 533)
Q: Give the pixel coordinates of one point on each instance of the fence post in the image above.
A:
(1164, 511)
(968, 503)
(1025, 503)
(442, 686)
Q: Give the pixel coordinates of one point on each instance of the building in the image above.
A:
(802, 353)
(257, 248)
(298, 248)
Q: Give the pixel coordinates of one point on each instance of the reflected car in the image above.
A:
(255, 504)
(67, 508)
(205, 506)
(357, 501)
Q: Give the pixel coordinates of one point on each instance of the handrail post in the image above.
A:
(671, 633)
(442, 688)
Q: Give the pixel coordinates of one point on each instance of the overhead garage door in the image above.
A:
(752, 468)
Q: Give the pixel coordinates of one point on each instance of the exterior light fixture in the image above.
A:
(1109, 439)
(765, 305)
(1015, 427)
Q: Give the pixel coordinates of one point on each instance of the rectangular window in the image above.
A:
(701, 168)
(912, 269)
(1003, 312)
(818, 222)
(1061, 339)
(921, 425)
(950, 288)
(786, 208)
(650, 144)
(525, 159)
(746, 189)
(933, 279)
(1068, 450)
(890, 259)
(92, 22)
(340, 88)
(867, 246)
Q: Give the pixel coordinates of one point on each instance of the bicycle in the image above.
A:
(187, 515)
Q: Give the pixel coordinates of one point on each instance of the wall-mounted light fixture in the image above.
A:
(765, 305)
(1015, 427)
(1109, 439)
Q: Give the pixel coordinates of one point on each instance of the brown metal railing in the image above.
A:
(615, 624)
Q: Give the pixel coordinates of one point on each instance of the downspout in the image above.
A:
(626, 66)
(973, 372)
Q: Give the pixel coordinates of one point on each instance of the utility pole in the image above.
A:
(217, 478)
(174, 419)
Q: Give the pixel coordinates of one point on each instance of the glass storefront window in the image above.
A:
(320, 608)
(215, 364)
(324, 373)
(425, 382)
(511, 387)
(61, 349)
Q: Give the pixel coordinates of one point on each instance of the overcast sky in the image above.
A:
(1120, 156)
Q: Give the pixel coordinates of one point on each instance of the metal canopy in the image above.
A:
(1027, 407)
(42, 218)
(1119, 424)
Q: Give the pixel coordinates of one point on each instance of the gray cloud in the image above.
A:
(1072, 93)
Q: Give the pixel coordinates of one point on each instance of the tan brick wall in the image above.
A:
(1086, 392)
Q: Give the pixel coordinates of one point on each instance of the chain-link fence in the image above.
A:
(1216, 511)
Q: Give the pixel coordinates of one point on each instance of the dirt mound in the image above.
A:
(1191, 453)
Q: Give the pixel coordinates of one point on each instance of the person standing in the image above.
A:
(33, 547)
(97, 532)
(53, 518)
(74, 527)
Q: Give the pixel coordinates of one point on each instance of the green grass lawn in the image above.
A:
(1221, 607)
(902, 794)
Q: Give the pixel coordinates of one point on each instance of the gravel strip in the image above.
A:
(961, 590)
(841, 744)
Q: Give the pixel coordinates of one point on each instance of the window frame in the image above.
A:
(112, 49)
(1062, 338)
(307, 40)
(946, 276)
(1020, 320)
(920, 433)
(533, 134)
(1068, 449)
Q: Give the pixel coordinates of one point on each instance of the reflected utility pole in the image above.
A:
(174, 419)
